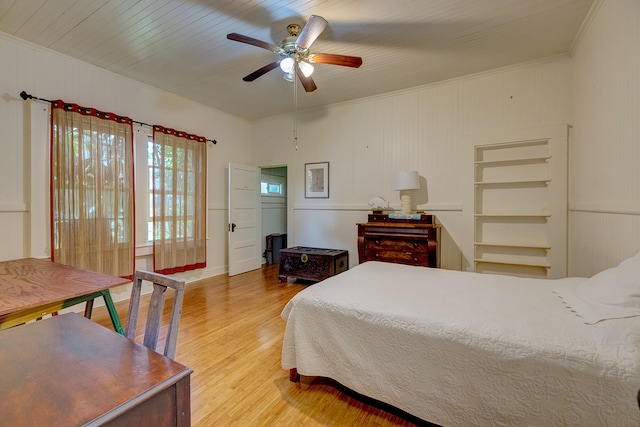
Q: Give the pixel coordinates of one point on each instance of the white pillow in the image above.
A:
(610, 294)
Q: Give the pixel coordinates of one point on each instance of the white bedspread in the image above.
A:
(465, 349)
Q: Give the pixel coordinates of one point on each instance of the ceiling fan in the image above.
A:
(294, 53)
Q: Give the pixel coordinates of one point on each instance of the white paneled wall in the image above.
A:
(427, 129)
(329, 228)
(515, 99)
(604, 194)
(49, 75)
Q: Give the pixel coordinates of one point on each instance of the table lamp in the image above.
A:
(405, 181)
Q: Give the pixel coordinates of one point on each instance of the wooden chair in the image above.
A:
(156, 307)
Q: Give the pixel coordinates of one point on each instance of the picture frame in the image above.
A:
(316, 180)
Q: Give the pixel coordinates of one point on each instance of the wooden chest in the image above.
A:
(412, 243)
(314, 264)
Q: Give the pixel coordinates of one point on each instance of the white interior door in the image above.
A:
(244, 218)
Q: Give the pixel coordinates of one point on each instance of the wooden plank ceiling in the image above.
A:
(180, 45)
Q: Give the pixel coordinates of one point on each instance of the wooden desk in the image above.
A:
(70, 371)
(31, 288)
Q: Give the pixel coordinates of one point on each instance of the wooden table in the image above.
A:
(70, 371)
(31, 288)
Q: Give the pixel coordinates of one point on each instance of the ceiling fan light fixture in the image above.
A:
(295, 59)
(287, 64)
(288, 76)
(306, 68)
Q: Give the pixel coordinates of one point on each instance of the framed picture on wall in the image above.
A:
(316, 177)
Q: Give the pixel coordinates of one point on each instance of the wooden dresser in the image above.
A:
(413, 242)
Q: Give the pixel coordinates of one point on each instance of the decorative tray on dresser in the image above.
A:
(412, 241)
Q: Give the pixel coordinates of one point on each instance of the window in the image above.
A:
(273, 182)
(181, 199)
(270, 189)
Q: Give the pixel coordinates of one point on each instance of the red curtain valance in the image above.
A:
(90, 111)
(179, 134)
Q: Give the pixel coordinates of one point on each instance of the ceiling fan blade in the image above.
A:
(260, 72)
(307, 82)
(330, 58)
(255, 42)
(315, 25)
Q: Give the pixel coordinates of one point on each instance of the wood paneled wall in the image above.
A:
(428, 129)
(596, 90)
(604, 177)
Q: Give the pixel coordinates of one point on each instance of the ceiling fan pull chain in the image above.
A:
(295, 108)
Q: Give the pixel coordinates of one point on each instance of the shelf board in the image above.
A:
(523, 160)
(514, 215)
(513, 245)
(507, 262)
(528, 181)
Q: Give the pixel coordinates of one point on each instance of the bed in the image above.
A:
(468, 349)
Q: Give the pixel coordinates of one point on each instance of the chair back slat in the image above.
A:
(174, 323)
(156, 306)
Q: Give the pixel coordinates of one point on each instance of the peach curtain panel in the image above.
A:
(179, 176)
(92, 190)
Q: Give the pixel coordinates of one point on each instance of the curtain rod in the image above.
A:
(24, 95)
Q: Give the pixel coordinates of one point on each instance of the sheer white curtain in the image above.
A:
(179, 176)
(92, 190)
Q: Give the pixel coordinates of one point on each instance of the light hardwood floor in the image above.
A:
(231, 336)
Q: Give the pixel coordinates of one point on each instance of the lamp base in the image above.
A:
(405, 202)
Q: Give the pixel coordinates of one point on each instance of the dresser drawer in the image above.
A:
(403, 233)
(396, 244)
(401, 257)
(378, 218)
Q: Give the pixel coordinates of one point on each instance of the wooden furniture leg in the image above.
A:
(88, 309)
(113, 314)
(21, 317)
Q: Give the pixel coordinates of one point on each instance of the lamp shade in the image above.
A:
(406, 180)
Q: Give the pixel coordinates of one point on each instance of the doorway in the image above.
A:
(273, 198)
